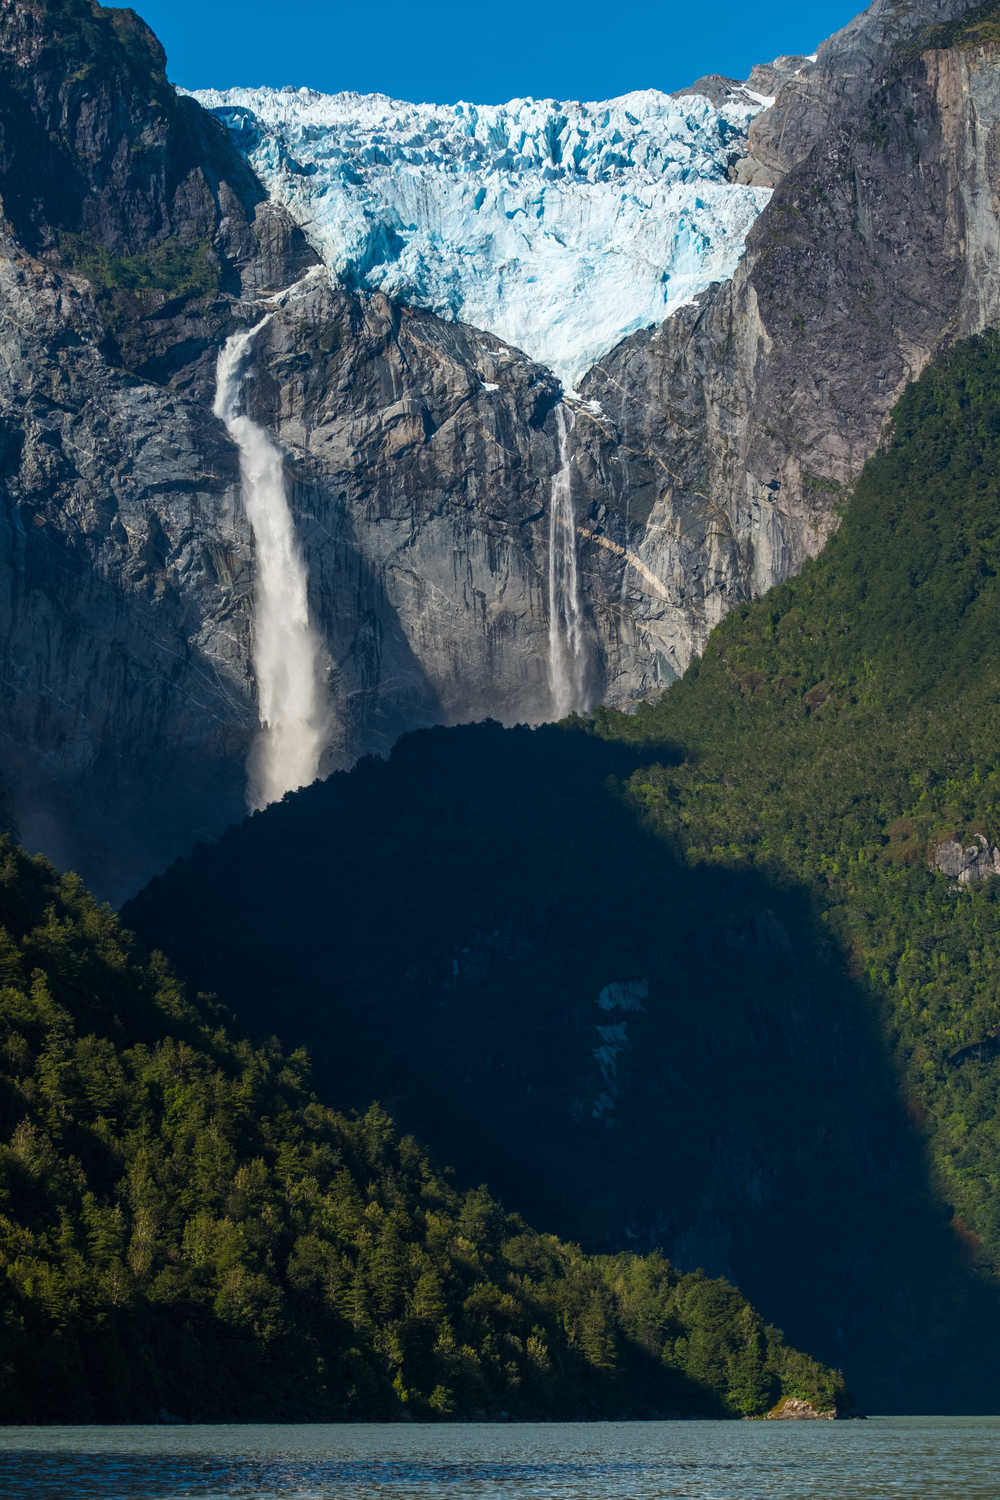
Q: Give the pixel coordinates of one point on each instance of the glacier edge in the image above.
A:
(560, 227)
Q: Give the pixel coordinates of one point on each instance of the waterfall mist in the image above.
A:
(286, 651)
(567, 660)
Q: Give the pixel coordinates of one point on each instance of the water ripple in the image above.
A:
(643, 1461)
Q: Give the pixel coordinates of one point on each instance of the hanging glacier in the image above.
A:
(559, 227)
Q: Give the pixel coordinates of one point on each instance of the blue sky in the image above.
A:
(443, 50)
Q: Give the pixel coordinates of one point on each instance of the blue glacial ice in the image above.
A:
(560, 227)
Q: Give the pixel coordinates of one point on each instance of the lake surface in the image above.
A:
(914, 1457)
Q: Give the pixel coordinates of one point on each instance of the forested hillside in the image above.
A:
(184, 1227)
(688, 976)
(841, 730)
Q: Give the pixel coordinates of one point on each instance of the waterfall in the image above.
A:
(285, 647)
(567, 662)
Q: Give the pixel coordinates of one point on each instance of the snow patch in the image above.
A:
(763, 101)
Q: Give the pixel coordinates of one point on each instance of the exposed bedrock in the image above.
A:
(812, 101)
(419, 455)
(732, 432)
(418, 458)
(127, 226)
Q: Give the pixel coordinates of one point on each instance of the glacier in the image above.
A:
(561, 227)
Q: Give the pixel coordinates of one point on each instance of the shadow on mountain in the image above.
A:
(123, 741)
(125, 778)
(630, 1051)
(379, 687)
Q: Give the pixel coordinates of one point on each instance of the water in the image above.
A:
(285, 647)
(567, 661)
(915, 1457)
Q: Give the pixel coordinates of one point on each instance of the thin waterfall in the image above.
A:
(286, 652)
(567, 661)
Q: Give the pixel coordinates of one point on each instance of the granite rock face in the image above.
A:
(419, 456)
(127, 228)
(967, 863)
(728, 437)
(419, 489)
(123, 594)
(794, 1409)
(817, 96)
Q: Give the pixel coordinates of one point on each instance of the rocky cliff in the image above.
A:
(733, 432)
(967, 863)
(419, 457)
(127, 225)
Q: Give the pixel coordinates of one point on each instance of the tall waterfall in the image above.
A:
(567, 661)
(285, 647)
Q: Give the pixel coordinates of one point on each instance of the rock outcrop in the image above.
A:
(816, 97)
(967, 863)
(419, 454)
(793, 1409)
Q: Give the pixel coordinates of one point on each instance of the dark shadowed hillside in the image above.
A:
(183, 1227)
